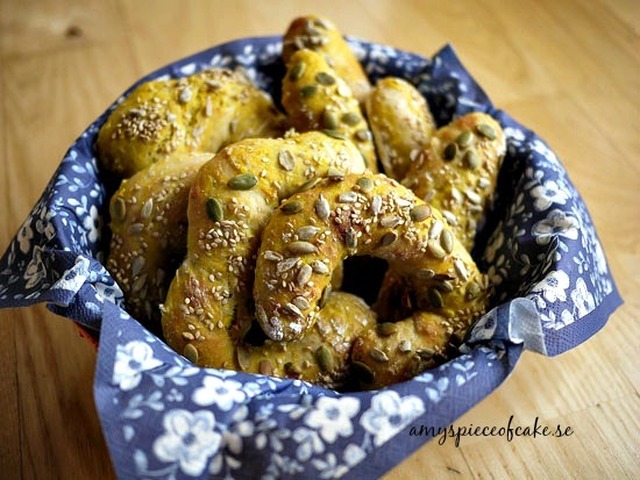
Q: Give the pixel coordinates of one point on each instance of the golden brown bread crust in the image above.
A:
(149, 231)
(207, 309)
(363, 214)
(199, 113)
(457, 172)
(316, 98)
(400, 122)
(319, 34)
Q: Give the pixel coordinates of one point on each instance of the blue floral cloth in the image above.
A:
(164, 418)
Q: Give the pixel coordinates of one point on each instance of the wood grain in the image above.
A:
(568, 69)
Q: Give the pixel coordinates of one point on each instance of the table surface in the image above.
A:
(568, 69)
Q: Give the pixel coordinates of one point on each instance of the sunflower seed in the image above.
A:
(301, 247)
(214, 210)
(363, 135)
(404, 346)
(347, 197)
(310, 184)
(261, 315)
(334, 133)
(243, 356)
(287, 264)
(244, 181)
(390, 221)
(436, 229)
(301, 303)
(461, 269)
(137, 266)
(376, 204)
(307, 233)
(320, 267)
(147, 209)
(335, 175)
(185, 95)
(425, 273)
(473, 197)
(350, 239)
(291, 308)
(304, 275)
(322, 208)
(473, 291)
(285, 160)
(292, 369)
(135, 228)
(272, 256)
(378, 355)
(324, 298)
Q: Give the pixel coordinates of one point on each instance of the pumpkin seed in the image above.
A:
(473, 291)
(420, 213)
(308, 91)
(388, 239)
(135, 229)
(486, 131)
(334, 133)
(323, 78)
(351, 118)
(446, 241)
(324, 298)
(435, 298)
(191, 353)
(386, 329)
(291, 207)
(297, 71)
(118, 210)
(264, 367)
(435, 249)
(363, 135)
(365, 184)
(310, 184)
(214, 210)
(330, 119)
(425, 353)
(470, 159)
(301, 247)
(244, 181)
(425, 274)
(243, 356)
(292, 369)
(362, 372)
(450, 152)
(324, 358)
(464, 139)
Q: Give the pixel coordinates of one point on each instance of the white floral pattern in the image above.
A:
(164, 418)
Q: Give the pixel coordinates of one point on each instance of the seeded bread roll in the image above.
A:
(316, 98)
(321, 35)
(149, 231)
(199, 113)
(457, 172)
(207, 311)
(400, 122)
(366, 214)
(321, 356)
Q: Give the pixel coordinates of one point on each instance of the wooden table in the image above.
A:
(570, 70)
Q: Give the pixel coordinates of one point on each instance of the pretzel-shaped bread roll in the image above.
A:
(316, 98)
(207, 310)
(365, 214)
(199, 113)
(319, 34)
(401, 124)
